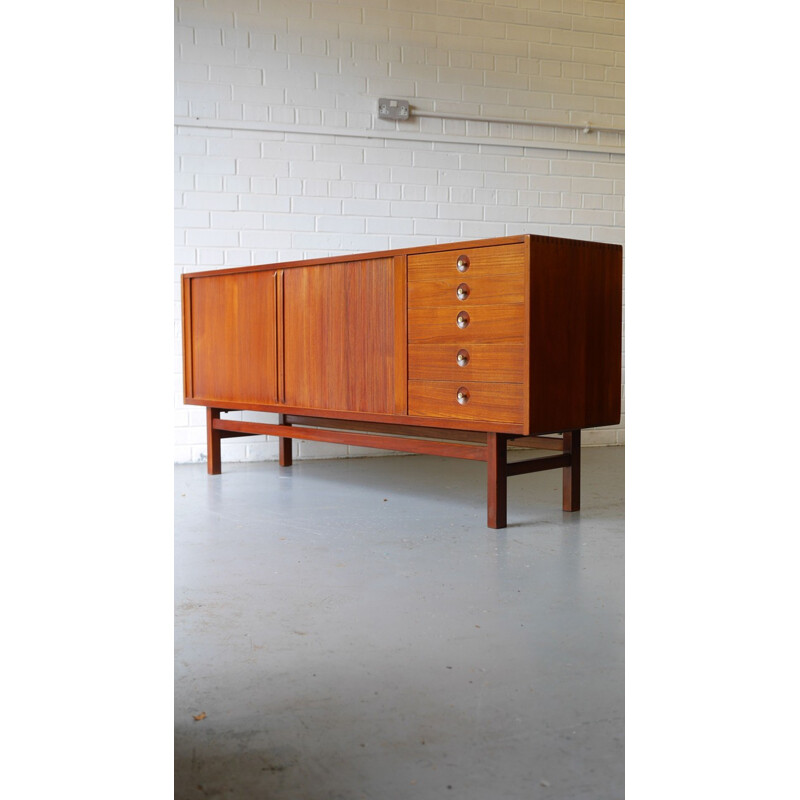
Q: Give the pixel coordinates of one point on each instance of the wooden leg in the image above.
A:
(284, 445)
(213, 438)
(496, 495)
(572, 473)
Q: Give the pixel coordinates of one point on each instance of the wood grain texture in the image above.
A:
(403, 252)
(213, 444)
(497, 402)
(540, 442)
(186, 329)
(526, 380)
(515, 428)
(487, 261)
(486, 290)
(537, 464)
(575, 334)
(400, 356)
(500, 323)
(501, 362)
(280, 349)
(387, 428)
(233, 340)
(338, 436)
(497, 481)
(284, 445)
(339, 336)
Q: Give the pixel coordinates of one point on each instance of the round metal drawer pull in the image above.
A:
(462, 320)
(462, 358)
(463, 395)
(462, 293)
(462, 265)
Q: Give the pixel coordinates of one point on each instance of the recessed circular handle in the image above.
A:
(462, 264)
(462, 293)
(462, 358)
(462, 395)
(462, 320)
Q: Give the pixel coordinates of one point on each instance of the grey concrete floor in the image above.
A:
(352, 629)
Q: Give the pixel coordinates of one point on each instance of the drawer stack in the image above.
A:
(466, 320)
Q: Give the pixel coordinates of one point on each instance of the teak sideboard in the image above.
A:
(455, 350)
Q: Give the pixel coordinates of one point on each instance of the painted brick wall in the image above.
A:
(279, 154)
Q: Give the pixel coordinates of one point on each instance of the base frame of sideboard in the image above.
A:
(473, 445)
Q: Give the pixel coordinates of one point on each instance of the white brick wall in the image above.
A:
(279, 155)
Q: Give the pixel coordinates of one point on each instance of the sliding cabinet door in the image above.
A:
(231, 348)
(340, 336)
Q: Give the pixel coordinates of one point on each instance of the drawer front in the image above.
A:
(494, 363)
(476, 262)
(467, 324)
(490, 402)
(466, 290)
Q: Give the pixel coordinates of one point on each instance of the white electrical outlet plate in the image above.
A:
(393, 109)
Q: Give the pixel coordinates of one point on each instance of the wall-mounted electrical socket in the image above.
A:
(393, 109)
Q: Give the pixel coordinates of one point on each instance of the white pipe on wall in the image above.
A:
(399, 134)
(586, 127)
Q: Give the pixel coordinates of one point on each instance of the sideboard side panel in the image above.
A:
(576, 334)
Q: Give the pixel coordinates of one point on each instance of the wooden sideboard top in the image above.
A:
(403, 251)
